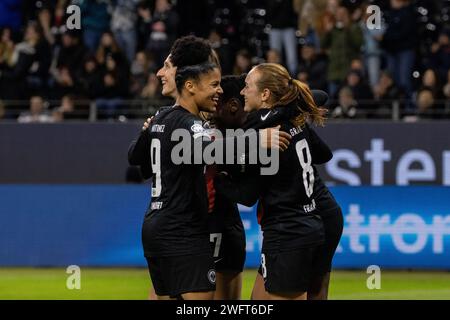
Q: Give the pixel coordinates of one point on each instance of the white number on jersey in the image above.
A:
(155, 152)
(302, 149)
(263, 266)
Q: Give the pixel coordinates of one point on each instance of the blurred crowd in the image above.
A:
(401, 69)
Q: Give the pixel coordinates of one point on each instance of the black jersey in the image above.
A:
(325, 202)
(139, 150)
(222, 211)
(292, 200)
(289, 217)
(176, 220)
(321, 153)
(179, 206)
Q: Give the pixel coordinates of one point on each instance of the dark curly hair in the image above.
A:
(232, 86)
(191, 50)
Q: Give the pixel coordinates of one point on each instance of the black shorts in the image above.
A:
(228, 243)
(333, 224)
(173, 276)
(290, 271)
(227, 236)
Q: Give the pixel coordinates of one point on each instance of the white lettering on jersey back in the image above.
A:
(156, 205)
(310, 207)
(158, 128)
(295, 131)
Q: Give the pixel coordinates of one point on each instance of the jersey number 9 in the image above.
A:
(155, 151)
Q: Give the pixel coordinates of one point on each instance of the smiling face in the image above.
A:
(252, 95)
(167, 76)
(207, 91)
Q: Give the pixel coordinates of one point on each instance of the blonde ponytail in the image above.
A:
(285, 90)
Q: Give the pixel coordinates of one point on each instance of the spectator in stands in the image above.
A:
(140, 69)
(68, 61)
(439, 59)
(145, 99)
(348, 106)
(312, 68)
(310, 14)
(143, 23)
(117, 64)
(385, 93)
(327, 16)
(272, 56)
(37, 112)
(31, 62)
(95, 21)
(342, 40)
(427, 106)
(123, 25)
(386, 88)
(223, 50)
(399, 42)
(6, 49)
(39, 72)
(431, 82)
(71, 53)
(57, 115)
(243, 62)
(107, 46)
(90, 78)
(110, 96)
(446, 89)
(371, 49)
(24, 66)
(115, 84)
(64, 83)
(162, 28)
(152, 88)
(358, 65)
(44, 16)
(69, 111)
(360, 89)
(60, 13)
(283, 21)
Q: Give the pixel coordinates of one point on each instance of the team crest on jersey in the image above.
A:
(212, 276)
(197, 127)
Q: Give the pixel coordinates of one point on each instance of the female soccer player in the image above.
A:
(226, 231)
(293, 232)
(327, 207)
(226, 228)
(175, 232)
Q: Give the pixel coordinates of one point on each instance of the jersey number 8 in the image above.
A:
(304, 156)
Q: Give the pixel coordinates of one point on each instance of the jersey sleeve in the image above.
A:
(320, 151)
(139, 154)
(139, 149)
(243, 189)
